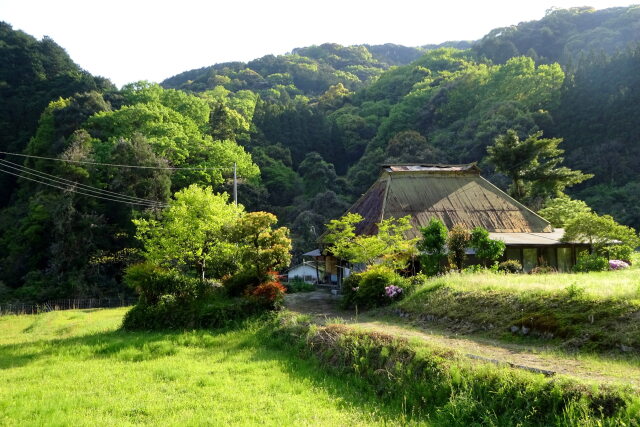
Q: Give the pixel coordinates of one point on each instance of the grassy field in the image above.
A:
(75, 367)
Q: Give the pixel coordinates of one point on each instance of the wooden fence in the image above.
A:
(65, 304)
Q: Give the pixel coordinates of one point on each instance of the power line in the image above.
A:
(58, 180)
(81, 192)
(115, 164)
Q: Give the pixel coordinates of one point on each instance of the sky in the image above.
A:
(133, 40)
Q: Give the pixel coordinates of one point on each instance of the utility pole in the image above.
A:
(235, 185)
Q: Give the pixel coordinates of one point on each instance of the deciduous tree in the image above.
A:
(389, 246)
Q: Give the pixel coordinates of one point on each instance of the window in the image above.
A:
(565, 260)
(514, 254)
(529, 259)
(549, 257)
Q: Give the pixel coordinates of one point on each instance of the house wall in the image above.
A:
(304, 272)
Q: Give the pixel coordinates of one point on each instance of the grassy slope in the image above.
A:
(75, 367)
(594, 312)
(440, 384)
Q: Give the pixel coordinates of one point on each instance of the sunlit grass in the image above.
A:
(606, 284)
(75, 367)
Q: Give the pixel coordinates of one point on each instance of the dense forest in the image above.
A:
(307, 130)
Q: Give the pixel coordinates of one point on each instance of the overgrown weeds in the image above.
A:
(441, 386)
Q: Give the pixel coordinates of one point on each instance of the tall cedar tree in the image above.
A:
(533, 165)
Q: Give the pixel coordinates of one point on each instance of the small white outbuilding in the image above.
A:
(304, 271)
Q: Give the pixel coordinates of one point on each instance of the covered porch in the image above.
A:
(541, 249)
(329, 269)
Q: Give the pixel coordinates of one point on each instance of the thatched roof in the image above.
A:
(456, 194)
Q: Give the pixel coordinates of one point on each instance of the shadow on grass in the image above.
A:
(347, 391)
(118, 344)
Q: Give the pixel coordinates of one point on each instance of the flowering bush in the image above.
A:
(616, 264)
(372, 288)
(269, 293)
(392, 291)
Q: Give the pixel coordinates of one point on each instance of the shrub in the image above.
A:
(591, 262)
(298, 285)
(152, 282)
(433, 247)
(170, 313)
(621, 252)
(543, 269)
(510, 266)
(473, 269)
(269, 294)
(238, 284)
(488, 250)
(350, 287)
(371, 287)
(457, 242)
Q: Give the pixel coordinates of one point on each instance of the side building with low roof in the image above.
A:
(457, 194)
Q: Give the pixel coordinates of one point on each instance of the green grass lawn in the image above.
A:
(76, 367)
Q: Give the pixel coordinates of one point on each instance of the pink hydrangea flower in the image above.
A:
(616, 264)
(392, 291)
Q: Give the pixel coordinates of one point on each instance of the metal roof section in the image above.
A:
(314, 253)
(456, 194)
(552, 238)
(471, 168)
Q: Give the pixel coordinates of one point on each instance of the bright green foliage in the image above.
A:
(189, 106)
(562, 210)
(209, 376)
(590, 262)
(152, 283)
(261, 247)
(487, 249)
(191, 233)
(533, 165)
(433, 247)
(601, 232)
(389, 246)
(174, 124)
(457, 242)
(367, 289)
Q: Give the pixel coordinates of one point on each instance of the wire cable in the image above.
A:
(115, 164)
(63, 181)
(80, 192)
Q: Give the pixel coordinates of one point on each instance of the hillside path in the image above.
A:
(533, 357)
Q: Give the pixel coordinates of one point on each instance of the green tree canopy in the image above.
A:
(487, 249)
(191, 234)
(457, 243)
(389, 246)
(433, 246)
(261, 247)
(601, 232)
(533, 165)
(562, 210)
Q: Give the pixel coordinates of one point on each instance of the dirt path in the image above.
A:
(538, 358)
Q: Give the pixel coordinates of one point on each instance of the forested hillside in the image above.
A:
(308, 131)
